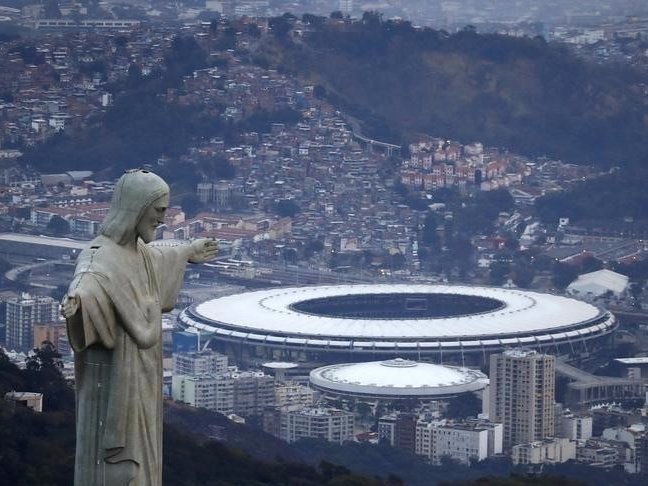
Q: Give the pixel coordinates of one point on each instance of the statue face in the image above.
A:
(152, 217)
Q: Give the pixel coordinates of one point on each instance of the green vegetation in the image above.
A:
(287, 208)
(523, 94)
(518, 480)
(619, 195)
(38, 448)
(214, 464)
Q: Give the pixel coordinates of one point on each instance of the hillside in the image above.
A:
(518, 93)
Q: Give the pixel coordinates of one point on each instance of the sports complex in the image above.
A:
(352, 323)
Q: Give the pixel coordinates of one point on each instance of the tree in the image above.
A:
(636, 288)
(287, 208)
(563, 274)
(134, 77)
(191, 205)
(218, 167)
(58, 226)
(319, 91)
(363, 409)
(289, 255)
(396, 261)
(463, 406)
(590, 264)
(523, 275)
(185, 56)
(10, 378)
(311, 247)
(280, 26)
(498, 271)
(43, 374)
(429, 236)
(372, 18)
(461, 250)
(314, 20)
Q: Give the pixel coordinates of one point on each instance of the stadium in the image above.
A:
(351, 323)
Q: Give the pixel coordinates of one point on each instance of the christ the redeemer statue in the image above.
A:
(113, 310)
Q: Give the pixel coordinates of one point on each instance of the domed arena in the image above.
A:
(351, 323)
(396, 379)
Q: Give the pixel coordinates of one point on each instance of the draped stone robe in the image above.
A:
(117, 339)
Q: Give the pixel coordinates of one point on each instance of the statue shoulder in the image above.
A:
(101, 256)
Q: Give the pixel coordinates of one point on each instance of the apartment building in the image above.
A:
(522, 395)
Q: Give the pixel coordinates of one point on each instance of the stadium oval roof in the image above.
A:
(397, 378)
(505, 318)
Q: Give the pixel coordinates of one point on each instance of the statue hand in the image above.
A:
(203, 250)
(70, 305)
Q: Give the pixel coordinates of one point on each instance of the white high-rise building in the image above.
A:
(288, 394)
(320, 423)
(552, 450)
(575, 427)
(22, 314)
(522, 391)
(199, 363)
(212, 392)
(241, 392)
(463, 442)
(253, 391)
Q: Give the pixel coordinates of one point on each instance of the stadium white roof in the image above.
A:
(270, 310)
(524, 318)
(397, 378)
(598, 283)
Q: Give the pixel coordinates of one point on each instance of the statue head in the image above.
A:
(128, 217)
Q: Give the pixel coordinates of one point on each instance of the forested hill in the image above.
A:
(521, 93)
(38, 449)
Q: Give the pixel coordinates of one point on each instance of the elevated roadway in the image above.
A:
(588, 389)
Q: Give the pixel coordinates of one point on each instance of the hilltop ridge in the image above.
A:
(520, 93)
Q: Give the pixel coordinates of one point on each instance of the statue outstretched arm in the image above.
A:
(202, 250)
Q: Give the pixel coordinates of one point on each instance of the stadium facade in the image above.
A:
(353, 323)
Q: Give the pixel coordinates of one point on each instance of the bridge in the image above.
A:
(370, 143)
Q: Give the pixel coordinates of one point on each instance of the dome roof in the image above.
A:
(397, 378)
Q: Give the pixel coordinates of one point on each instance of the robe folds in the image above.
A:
(117, 339)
